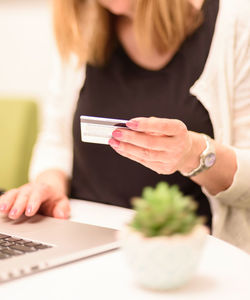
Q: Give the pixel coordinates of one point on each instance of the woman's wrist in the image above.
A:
(192, 159)
(217, 178)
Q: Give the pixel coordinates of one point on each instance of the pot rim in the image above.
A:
(198, 230)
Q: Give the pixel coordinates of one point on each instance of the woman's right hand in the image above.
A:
(33, 197)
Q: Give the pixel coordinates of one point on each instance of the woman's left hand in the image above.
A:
(163, 145)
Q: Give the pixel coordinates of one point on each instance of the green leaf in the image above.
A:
(164, 210)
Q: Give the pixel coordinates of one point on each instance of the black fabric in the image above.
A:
(122, 89)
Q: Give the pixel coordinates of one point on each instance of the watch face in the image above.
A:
(210, 160)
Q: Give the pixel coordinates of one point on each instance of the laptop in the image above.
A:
(30, 245)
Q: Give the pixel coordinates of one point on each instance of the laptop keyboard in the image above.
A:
(13, 246)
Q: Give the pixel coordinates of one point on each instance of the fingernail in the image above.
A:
(61, 214)
(117, 134)
(29, 210)
(13, 212)
(3, 207)
(132, 124)
(114, 143)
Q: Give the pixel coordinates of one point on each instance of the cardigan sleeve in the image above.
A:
(238, 194)
(53, 149)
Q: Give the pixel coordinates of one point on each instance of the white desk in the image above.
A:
(224, 272)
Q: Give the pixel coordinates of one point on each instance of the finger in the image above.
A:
(40, 193)
(58, 208)
(7, 200)
(62, 209)
(140, 152)
(145, 140)
(157, 167)
(163, 126)
(19, 205)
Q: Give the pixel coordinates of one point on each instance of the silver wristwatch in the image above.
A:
(207, 158)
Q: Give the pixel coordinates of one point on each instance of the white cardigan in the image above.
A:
(223, 88)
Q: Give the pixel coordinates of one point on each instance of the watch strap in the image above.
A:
(210, 149)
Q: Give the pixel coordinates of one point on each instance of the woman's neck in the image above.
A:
(197, 3)
(152, 60)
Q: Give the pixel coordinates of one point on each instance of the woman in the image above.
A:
(187, 63)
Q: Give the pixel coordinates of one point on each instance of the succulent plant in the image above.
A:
(164, 211)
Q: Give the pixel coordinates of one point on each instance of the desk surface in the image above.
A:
(224, 272)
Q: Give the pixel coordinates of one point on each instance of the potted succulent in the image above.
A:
(164, 240)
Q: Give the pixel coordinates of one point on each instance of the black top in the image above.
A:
(124, 90)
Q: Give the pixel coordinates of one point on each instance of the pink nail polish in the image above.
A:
(117, 134)
(3, 207)
(132, 124)
(13, 212)
(29, 210)
(114, 143)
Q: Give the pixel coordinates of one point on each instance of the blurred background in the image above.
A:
(26, 38)
(25, 67)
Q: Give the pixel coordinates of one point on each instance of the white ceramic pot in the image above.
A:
(162, 263)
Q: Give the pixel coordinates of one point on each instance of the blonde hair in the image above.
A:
(85, 28)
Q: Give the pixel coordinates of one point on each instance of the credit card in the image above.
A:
(99, 130)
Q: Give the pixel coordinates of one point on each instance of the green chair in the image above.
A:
(18, 131)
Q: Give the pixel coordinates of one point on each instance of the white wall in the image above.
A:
(25, 47)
